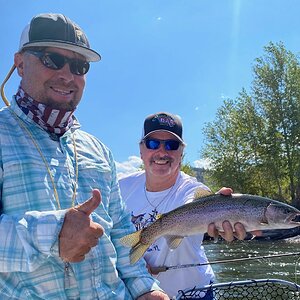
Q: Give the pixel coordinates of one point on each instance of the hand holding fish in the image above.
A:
(79, 233)
(217, 212)
(229, 233)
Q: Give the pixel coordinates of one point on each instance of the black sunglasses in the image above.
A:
(57, 61)
(154, 144)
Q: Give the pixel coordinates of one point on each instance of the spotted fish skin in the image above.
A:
(254, 212)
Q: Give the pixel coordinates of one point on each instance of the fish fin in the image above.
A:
(137, 249)
(200, 193)
(173, 241)
(131, 239)
(137, 252)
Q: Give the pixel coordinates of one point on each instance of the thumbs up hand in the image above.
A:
(79, 233)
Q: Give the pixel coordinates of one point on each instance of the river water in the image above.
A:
(286, 268)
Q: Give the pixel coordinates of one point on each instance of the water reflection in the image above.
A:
(286, 268)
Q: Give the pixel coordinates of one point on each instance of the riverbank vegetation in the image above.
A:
(254, 141)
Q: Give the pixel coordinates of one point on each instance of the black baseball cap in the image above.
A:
(57, 30)
(163, 121)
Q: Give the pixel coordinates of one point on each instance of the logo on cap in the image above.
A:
(164, 120)
(79, 35)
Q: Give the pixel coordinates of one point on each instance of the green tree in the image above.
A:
(253, 142)
(276, 90)
(186, 167)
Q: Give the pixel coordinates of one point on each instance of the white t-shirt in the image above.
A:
(189, 251)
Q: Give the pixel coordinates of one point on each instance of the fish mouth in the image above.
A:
(293, 219)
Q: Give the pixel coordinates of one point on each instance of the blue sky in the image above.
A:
(181, 56)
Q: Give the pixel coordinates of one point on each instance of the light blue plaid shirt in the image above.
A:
(30, 267)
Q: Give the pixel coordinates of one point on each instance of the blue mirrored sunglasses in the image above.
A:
(57, 61)
(154, 144)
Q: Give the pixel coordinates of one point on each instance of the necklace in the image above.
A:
(47, 165)
(161, 201)
(66, 264)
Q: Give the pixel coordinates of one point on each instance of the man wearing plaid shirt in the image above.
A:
(61, 211)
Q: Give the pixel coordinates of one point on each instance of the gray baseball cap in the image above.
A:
(57, 30)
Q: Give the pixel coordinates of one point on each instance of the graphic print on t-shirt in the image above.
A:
(143, 220)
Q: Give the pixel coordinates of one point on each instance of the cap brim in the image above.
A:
(89, 54)
(162, 130)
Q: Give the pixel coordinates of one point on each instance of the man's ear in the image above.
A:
(18, 60)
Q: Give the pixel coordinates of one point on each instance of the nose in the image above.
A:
(65, 73)
(162, 148)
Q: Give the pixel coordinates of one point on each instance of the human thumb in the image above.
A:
(91, 204)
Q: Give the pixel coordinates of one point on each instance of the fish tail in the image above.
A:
(130, 240)
(137, 248)
(137, 252)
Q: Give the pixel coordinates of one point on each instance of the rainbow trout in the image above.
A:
(254, 212)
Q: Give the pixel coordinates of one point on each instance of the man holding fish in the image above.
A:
(171, 210)
(161, 188)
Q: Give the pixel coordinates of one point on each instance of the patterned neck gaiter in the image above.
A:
(52, 120)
